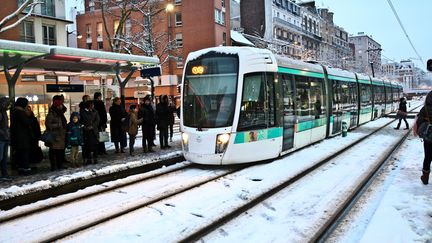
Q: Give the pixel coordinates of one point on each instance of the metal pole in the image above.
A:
(373, 71)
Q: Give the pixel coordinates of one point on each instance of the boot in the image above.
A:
(425, 177)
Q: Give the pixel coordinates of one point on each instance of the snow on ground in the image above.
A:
(398, 209)
(178, 216)
(63, 177)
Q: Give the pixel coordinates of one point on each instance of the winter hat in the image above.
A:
(132, 107)
(74, 114)
(21, 102)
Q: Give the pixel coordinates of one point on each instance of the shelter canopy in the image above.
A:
(39, 57)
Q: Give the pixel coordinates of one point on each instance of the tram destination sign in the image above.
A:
(67, 88)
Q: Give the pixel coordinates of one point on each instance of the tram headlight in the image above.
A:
(185, 140)
(222, 142)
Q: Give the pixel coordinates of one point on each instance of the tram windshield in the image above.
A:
(209, 91)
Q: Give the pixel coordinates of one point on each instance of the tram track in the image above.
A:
(199, 233)
(225, 217)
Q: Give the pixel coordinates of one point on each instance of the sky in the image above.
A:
(375, 18)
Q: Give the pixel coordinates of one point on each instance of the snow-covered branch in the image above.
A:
(31, 4)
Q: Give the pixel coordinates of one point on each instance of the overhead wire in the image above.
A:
(404, 30)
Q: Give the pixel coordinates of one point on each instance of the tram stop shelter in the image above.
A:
(18, 56)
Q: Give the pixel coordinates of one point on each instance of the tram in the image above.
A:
(244, 104)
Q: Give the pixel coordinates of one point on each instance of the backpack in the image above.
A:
(425, 129)
(125, 123)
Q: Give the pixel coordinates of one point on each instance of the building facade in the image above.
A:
(46, 25)
(190, 26)
(367, 55)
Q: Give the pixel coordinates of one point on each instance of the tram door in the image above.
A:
(288, 111)
(336, 107)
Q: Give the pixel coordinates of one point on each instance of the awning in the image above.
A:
(66, 59)
(240, 39)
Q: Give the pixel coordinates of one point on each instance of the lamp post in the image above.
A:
(148, 16)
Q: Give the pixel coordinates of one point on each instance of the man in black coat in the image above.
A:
(90, 122)
(118, 135)
(4, 138)
(146, 113)
(21, 136)
(163, 113)
(99, 106)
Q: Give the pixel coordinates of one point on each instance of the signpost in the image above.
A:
(66, 88)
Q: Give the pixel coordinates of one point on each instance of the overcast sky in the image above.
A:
(375, 17)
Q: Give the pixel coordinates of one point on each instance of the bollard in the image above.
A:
(344, 129)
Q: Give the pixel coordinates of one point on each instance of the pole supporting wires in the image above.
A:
(403, 28)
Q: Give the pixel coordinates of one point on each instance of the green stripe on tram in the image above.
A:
(307, 125)
(342, 78)
(300, 72)
(258, 135)
(364, 81)
(365, 110)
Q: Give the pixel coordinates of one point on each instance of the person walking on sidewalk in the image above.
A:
(133, 127)
(4, 138)
(162, 120)
(74, 137)
(402, 113)
(118, 135)
(99, 106)
(90, 122)
(21, 136)
(55, 122)
(146, 113)
(425, 115)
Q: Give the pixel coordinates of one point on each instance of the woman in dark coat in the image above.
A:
(171, 119)
(21, 136)
(99, 106)
(90, 123)
(163, 113)
(146, 113)
(118, 135)
(36, 154)
(55, 122)
(4, 137)
(402, 108)
(425, 115)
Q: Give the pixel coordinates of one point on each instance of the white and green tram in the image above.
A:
(243, 104)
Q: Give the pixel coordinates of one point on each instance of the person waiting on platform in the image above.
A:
(425, 115)
(118, 135)
(162, 120)
(133, 127)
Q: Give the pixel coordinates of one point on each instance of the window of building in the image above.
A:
(128, 27)
(223, 3)
(49, 35)
(48, 8)
(177, 2)
(224, 39)
(99, 30)
(89, 46)
(116, 25)
(88, 31)
(179, 62)
(179, 40)
(91, 5)
(178, 19)
(219, 17)
(27, 32)
(100, 45)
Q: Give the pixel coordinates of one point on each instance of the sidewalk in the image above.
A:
(109, 163)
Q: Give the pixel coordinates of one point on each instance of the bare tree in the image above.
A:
(14, 19)
(134, 32)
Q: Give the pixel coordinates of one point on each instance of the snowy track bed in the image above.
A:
(186, 215)
(98, 204)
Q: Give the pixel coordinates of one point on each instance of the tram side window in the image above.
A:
(345, 95)
(336, 96)
(365, 94)
(353, 91)
(270, 104)
(287, 81)
(316, 97)
(252, 109)
(303, 110)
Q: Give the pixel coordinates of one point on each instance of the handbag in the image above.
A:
(48, 137)
(425, 129)
(401, 114)
(103, 137)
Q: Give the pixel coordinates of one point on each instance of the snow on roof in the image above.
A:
(238, 37)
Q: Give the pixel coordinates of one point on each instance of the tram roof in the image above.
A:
(67, 59)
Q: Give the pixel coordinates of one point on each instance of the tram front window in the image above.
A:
(209, 91)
